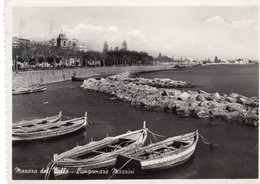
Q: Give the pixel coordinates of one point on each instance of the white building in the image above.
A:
(82, 47)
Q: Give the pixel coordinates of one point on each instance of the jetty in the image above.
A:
(198, 104)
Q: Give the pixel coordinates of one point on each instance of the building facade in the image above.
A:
(16, 41)
(63, 42)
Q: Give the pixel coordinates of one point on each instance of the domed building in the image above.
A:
(62, 40)
(73, 43)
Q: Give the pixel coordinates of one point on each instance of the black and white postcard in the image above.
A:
(125, 91)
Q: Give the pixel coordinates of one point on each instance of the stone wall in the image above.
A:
(23, 79)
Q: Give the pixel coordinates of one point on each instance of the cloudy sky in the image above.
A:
(198, 32)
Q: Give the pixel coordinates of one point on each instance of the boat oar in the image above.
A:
(49, 169)
(119, 168)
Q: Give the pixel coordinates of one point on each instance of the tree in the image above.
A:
(105, 49)
(37, 53)
(124, 45)
(216, 59)
(121, 57)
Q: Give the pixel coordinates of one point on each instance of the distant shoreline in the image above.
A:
(49, 76)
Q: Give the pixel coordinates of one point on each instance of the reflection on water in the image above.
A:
(236, 156)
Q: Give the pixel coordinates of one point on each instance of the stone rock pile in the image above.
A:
(198, 104)
(159, 83)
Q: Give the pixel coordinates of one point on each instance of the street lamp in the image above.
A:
(15, 64)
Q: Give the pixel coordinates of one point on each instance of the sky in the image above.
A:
(228, 32)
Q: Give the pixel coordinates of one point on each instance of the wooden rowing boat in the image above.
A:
(74, 78)
(49, 130)
(27, 90)
(36, 122)
(98, 154)
(161, 155)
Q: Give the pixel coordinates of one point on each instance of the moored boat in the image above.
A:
(36, 122)
(27, 90)
(49, 130)
(97, 154)
(74, 78)
(97, 77)
(160, 155)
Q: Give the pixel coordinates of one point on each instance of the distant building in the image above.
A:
(188, 61)
(16, 41)
(224, 61)
(53, 42)
(73, 43)
(63, 42)
(239, 61)
(82, 47)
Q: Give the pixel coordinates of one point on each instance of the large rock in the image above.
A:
(251, 121)
(183, 111)
(230, 99)
(200, 97)
(201, 113)
(184, 96)
(241, 101)
(216, 97)
(234, 107)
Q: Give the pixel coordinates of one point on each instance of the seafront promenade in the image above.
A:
(26, 78)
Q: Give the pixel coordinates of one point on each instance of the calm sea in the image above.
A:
(242, 79)
(236, 156)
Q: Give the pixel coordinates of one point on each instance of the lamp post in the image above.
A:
(15, 63)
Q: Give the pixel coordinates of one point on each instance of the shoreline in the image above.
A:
(50, 76)
(23, 79)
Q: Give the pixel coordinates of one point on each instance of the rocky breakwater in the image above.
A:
(159, 83)
(198, 104)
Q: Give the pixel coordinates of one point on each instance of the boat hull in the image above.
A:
(168, 161)
(97, 77)
(108, 163)
(48, 134)
(106, 160)
(164, 161)
(29, 91)
(74, 79)
(48, 120)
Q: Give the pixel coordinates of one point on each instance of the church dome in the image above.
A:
(62, 36)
